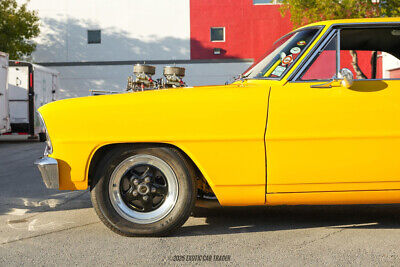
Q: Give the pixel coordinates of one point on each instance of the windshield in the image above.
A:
(284, 52)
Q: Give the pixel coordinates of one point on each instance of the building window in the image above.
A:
(217, 34)
(94, 36)
(266, 2)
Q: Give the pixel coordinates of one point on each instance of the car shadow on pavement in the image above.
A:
(233, 220)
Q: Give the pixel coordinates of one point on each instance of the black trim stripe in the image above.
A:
(342, 191)
(265, 145)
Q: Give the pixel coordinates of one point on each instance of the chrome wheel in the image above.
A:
(143, 189)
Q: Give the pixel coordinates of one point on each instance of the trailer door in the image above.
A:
(43, 86)
(4, 111)
(18, 79)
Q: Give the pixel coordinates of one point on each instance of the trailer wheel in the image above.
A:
(42, 137)
(143, 191)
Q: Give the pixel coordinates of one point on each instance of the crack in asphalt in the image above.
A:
(322, 237)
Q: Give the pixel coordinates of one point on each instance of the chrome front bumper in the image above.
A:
(48, 167)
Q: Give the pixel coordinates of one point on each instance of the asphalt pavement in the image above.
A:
(50, 227)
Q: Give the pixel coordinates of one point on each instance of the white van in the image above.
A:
(4, 111)
(30, 87)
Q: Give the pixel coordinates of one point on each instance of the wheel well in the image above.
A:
(201, 182)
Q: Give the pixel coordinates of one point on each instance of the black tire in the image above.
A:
(108, 214)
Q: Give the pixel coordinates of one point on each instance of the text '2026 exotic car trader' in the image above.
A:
(297, 128)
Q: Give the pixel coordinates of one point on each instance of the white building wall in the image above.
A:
(130, 30)
(389, 62)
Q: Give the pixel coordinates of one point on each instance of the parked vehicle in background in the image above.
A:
(4, 111)
(30, 87)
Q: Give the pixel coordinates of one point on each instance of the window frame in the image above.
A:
(88, 40)
(317, 35)
(334, 34)
(217, 41)
(335, 28)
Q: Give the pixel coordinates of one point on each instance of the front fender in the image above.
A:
(221, 128)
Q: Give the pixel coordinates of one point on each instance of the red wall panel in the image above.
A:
(249, 29)
(364, 62)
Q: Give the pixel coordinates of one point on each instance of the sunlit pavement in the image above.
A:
(50, 227)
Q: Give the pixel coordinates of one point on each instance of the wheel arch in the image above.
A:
(101, 151)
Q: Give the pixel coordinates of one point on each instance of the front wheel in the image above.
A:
(143, 191)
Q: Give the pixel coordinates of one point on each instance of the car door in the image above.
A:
(333, 139)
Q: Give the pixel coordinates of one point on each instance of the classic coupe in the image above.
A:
(314, 121)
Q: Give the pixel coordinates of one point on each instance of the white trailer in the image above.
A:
(4, 111)
(30, 87)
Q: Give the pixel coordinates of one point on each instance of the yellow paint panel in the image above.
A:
(73, 159)
(335, 198)
(316, 187)
(354, 21)
(244, 195)
(234, 169)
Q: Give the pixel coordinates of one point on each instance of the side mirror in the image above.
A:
(346, 77)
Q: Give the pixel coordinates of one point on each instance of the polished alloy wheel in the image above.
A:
(143, 189)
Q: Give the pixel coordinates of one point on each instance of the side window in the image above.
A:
(324, 65)
(369, 53)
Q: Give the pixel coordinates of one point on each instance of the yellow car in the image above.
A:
(306, 124)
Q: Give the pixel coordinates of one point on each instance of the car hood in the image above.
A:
(157, 114)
